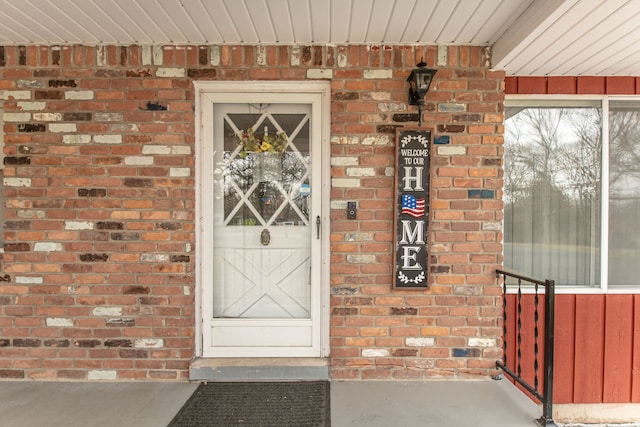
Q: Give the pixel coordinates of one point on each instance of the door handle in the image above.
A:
(318, 222)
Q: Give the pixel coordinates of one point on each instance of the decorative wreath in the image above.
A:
(252, 142)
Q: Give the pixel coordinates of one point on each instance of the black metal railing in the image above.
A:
(544, 395)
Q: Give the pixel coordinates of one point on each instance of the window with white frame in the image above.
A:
(572, 190)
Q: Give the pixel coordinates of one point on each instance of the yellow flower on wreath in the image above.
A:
(251, 142)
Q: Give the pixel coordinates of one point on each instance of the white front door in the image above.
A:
(262, 225)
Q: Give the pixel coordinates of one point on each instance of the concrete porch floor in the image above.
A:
(371, 403)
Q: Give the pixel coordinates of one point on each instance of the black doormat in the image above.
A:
(218, 404)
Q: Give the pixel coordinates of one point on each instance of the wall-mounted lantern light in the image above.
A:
(419, 82)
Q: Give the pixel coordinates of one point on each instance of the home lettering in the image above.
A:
(412, 208)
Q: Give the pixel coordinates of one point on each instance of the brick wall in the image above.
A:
(97, 275)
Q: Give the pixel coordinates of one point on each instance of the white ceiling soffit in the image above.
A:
(530, 37)
(572, 37)
(256, 21)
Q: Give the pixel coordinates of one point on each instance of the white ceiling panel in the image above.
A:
(261, 19)
(501, 15)
(529, 37)
(418, 21)
(18, 25)
(151, 21)
(340, 18)
(562, 32)
(177, 21)
(441, 16)
(202, 19)
(572, 37)
(360, 19)
(379, 20)
(301, 20)
(321, 21)
(619, 61)
(603, 39)
(279, 10)
(117, 22)
(31, 16)
(398, 20)
(86, 15)
(242, 21)
(458, 20)
(478, 19)
(221, 21)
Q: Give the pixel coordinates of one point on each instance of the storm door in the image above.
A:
(262, 298)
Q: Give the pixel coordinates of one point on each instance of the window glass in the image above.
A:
(552, 192)
(624, 194)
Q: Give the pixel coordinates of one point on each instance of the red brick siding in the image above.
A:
(99, 254)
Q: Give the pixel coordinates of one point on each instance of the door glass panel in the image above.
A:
(262, 233)
(265, 188)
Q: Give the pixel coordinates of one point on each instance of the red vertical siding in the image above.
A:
(635, 365)
(589, 350)
(597, 347)
(564, 348)
(618, 348)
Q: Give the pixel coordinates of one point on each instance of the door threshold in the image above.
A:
(259, 369)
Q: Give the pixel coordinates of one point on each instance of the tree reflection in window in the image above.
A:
(553, 192)
(280, 199)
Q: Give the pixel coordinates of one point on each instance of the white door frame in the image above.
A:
(225, 91)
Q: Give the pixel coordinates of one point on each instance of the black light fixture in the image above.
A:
(419, 82)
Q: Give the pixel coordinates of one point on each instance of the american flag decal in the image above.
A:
(412, 206)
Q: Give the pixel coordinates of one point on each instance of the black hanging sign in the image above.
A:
(412, 208)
